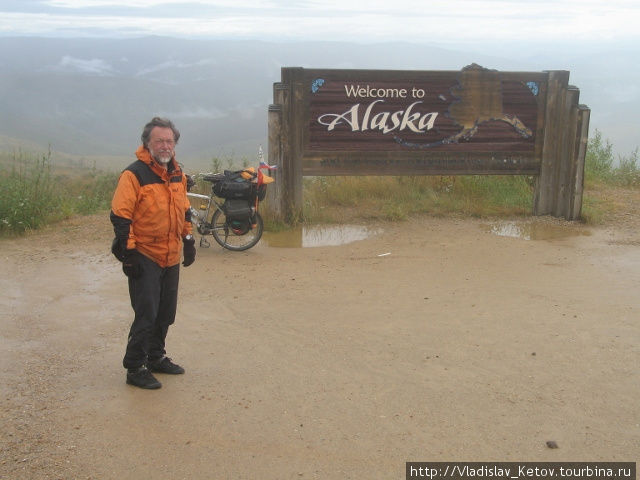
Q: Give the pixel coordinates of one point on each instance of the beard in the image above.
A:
(162, 157)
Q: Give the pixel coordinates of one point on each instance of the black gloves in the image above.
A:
(119, 248)
(130, 259)
(189, 250)
(131, 265)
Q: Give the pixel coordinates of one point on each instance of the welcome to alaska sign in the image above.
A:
(472, 121)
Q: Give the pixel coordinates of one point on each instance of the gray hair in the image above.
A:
(158, 122)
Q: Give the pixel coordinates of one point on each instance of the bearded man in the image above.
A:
(150, 213)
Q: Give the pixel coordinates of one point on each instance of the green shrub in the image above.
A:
(32, 194)
(628, 171)
(27, 194)
(600, 165)
(90, 191)
(599, 158)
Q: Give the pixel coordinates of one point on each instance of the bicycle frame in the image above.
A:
(237, 233)
(202, 218)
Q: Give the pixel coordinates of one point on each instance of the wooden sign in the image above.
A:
(472, 121)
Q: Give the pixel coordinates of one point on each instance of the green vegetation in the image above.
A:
(33, 193)
(605, 181)
(337, 199)
(600, 167)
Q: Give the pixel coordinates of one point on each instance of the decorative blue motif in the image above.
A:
(316, 84)
(533, 86)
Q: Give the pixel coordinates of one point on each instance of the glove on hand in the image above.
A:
(132, 265)
(189, 251)
(119, 248)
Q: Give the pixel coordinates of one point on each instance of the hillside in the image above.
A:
(88, 98)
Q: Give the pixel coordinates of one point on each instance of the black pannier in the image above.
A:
(233, 189)
(235, 185)
(237, 209)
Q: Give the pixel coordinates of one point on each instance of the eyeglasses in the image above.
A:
(160, 141)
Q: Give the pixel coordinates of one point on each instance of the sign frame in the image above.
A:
(471, 126)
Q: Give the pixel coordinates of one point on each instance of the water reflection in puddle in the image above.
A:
(318, 236)
(535, 231)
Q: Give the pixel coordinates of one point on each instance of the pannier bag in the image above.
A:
(237, 209)
(240, 184)
(233, 189)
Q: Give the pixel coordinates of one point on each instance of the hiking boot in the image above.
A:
(165, 365)
(142, 377)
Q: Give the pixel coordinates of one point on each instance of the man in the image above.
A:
(151, 219)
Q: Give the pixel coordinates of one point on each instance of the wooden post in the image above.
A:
(295, 111)
(547, 181)
(286, 94)
(277, 119)
(560, 183)
(582, 136)
(282, 97)
(566, 154)
(274, 155)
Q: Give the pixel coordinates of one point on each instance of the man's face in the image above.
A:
(161, 143)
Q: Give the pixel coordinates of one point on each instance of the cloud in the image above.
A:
(94, 66)
(363, 21)
(175, 64)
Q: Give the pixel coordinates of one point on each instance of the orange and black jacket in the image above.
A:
(150, 209)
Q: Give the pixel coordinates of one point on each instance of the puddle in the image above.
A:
(318, 236)
(535, 231)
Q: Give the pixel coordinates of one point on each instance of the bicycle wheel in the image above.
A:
(236, 235)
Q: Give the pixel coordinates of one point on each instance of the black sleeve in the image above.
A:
(121, 226)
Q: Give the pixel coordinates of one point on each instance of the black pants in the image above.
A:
(154, 298)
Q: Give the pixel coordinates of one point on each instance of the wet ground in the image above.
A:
(531, 230)
(334, 235)
(319, 236)
(427, 340)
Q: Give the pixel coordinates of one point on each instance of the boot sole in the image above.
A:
(153, 370)
(153, 386)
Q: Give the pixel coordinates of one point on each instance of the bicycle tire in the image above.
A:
(227, 238)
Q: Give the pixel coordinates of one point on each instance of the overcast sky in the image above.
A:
(364, 21)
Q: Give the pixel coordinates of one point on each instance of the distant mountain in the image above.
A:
(89, 98)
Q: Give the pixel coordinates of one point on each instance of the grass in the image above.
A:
(607, 180)
(337, 199)
(33, 193)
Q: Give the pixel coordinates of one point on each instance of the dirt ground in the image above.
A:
(328, 362)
